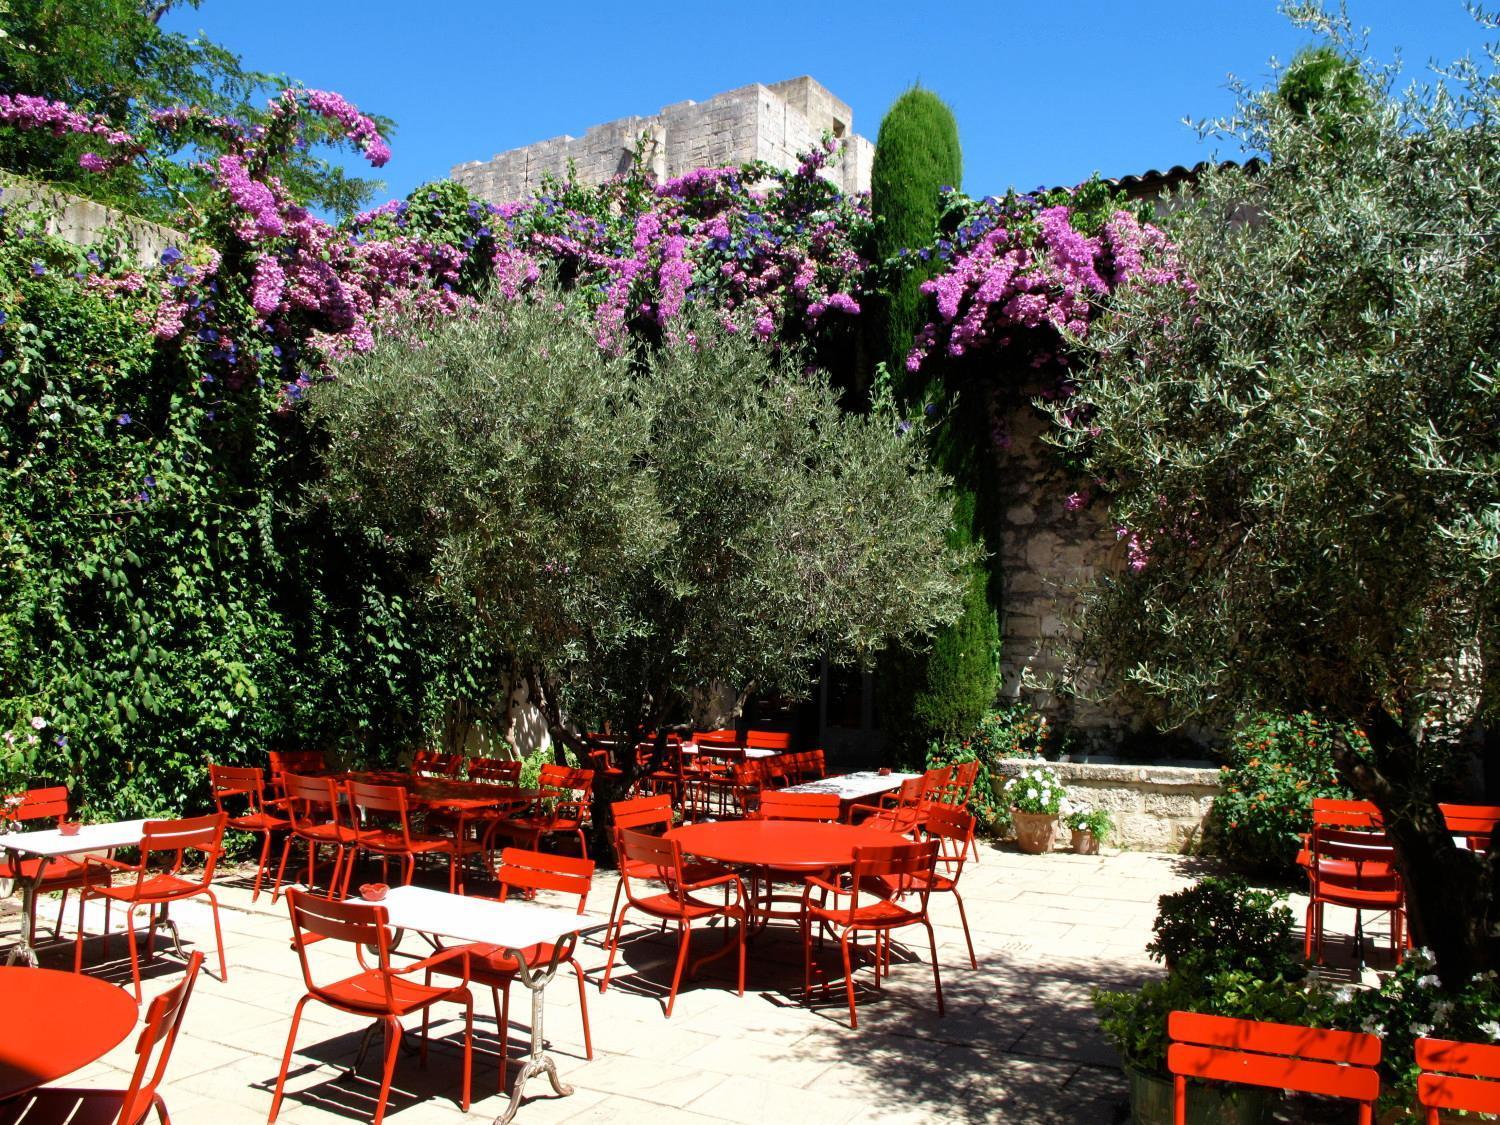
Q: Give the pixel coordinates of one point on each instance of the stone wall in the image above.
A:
(773, 123)
(1155, 808)
(83, 222)
(1047, 554)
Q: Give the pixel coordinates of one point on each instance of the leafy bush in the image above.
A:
(1274, 768)
(1223, 924)
(1411, 1003)
(1014, 730)
(1135, 1022)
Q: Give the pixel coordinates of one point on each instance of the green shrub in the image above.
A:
(1013, 730)
(1223, 924)
(1274, 768)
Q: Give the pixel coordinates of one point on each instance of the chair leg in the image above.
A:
(937, 980)
(684, 940)
(964, 918)
(286, 851)
(614, 945)
(260, 870)
(135, 961)
(583, 1008)
(286, 1058)
(62, 905)
(468, 1049)
(218, 936)
(78, 937)
(392, 1048)
(161, 1110)
(502, 1016)
(848, 978)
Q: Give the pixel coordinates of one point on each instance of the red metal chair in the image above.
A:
(723, 736)
(382, 827)
(1350, 863)
(381, 993)
(494, 965)
(667, 777)
(677, 903)
(152, 889)
(1475, 822)
(900, 812)
(1335, 1064)
(568, 792)
(768, 739)
(1457, 1076)
(60, 873)
(435, 763)
(249, 783)
(953, 827)
(297, 761)
(318, 818)
(640, 814)
(776, 805)
(495, 771)
(56, 1105)
(899, 872)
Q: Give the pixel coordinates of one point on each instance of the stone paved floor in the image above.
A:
(1019, 1042)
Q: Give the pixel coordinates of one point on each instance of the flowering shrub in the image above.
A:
(1037, 791)
(1411, 1004)
(1012, 730)
(1221, 924)
(1097, 822)
(1275, 766)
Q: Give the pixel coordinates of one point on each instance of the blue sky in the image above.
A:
(1044, 93)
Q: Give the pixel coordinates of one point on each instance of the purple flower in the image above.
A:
(93, 162)
(123, 420)
(38, 269)
(171, 256)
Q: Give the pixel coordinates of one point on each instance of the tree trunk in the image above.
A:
(563, 739)
(1451, 892)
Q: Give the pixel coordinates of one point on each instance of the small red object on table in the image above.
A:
(56, 1022)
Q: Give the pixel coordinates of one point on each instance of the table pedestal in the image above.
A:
(537, 1061)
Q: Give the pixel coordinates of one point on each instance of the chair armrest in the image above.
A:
(717, 881)
(112, 863)
(438, 958)
(812, 881)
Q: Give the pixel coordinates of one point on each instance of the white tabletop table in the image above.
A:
(515, 926)
(752, 752)
(45, 845)
(853, 786)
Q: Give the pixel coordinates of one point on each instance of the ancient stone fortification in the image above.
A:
(83, 222)
(772, 123)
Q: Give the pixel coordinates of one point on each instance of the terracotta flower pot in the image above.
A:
(1035, 832)
(1085, 842)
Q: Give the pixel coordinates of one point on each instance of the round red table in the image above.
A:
(781, 845)
(56, 1022)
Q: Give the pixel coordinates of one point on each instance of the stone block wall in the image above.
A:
(83, 222)
(1155, 808)
(773, 123)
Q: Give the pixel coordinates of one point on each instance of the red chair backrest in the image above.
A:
(1334, 812)
(906, 867)
(642, 848)
(964, 776)
(202, 834)
(768, 739)
(525, 870)
(1478, 822)
(1352, 859)
(724, 736)
(311, 800)
(730, 755)
(238, 781)
(36, 804)
(363, 925)
(643, 812)
(376, 806)
(1336, 1064)
(953, 826)
(1458, 1076)
(776, 804)
(163, 1019)
(501, 771)
(434, 763)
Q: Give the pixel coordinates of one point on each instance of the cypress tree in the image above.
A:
(916, 155)
(947, 689)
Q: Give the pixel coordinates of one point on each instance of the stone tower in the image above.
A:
(772, 123)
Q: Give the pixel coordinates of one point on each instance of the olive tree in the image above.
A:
(632, 531)
(1301, 447)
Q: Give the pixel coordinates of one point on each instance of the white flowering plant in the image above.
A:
(1412, 1004)
(1037, 790)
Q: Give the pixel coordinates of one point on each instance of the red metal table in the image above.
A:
(779, 845)
(56, 1022)
(769, 847)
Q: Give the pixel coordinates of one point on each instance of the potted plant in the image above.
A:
(1136, 1023)
(1091, 827)
(1036, 798)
